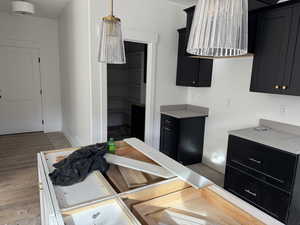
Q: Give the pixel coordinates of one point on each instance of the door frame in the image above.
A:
(36, 46)
(99, 89)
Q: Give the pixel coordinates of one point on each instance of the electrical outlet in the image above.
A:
(282, 110)
(228, 103)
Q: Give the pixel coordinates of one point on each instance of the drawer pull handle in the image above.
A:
(167, 129)
(250, 192)
(168, 121)
(255, 160)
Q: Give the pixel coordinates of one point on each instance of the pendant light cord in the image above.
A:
(112, 7)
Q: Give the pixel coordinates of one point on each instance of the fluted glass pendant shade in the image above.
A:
(219, 28)
(111, 49)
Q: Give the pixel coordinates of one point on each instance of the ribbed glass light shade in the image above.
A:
(112, 50)
(219, 28)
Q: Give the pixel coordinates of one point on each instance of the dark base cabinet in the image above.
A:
(266, 177)
(182, 139)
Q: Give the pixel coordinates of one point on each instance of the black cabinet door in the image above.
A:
(292, 76)
(169, 136)
(192, 72)
(187, 68)
(271, 50)
(252, 26)
(269, 199)
(190, 146)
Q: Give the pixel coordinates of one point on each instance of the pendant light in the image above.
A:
(219, 28)
(111, 49)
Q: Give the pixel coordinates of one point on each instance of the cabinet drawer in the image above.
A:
(276, 166)
(269, 199)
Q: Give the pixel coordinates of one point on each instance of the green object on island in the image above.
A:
(112, 146)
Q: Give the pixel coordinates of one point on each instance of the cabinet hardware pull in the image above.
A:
(284, 87)
(167, 121)
(250, 192)
(255, 160)
(194, 82)
(276, 86)
(168, 129)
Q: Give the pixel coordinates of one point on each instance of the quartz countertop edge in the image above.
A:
(184, 111)
(269, 136)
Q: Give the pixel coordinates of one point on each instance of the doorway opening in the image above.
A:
(126, 94)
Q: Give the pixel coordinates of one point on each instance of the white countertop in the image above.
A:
(181, 114)
(271, 137)
(184, 111)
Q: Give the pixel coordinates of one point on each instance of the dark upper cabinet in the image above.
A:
(277, 51)
(292, 76)
(189, 20)
(192, 72)
(273, 30)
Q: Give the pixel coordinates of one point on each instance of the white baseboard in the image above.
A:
(74, 141)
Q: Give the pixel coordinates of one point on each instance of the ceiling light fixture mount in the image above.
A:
(112, 50)
(22, 8)
(219, 28)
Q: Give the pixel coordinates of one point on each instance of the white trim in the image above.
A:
(99, 89)
(138, 165)
(74, 141)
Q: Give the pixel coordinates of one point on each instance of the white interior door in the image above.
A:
(20, 85)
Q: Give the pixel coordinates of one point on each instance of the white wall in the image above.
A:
(233, 106)
(43, 34)
(75, 71)
(154, 16)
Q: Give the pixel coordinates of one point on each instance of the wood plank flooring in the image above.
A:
(19, 199)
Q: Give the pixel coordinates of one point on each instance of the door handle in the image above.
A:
(250, 192)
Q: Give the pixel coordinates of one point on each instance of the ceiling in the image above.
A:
(44, 8)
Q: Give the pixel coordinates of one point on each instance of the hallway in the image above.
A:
(19, 199)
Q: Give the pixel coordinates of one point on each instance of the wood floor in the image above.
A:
(19, 199)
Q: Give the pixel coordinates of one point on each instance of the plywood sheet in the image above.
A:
(202, 204)
(133, 178)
